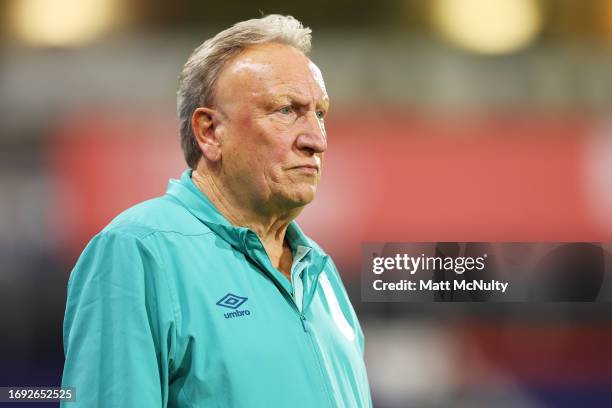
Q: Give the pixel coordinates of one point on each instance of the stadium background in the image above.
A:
(451, 120)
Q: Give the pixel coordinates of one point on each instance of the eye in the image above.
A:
(285, 110)
(320, 114)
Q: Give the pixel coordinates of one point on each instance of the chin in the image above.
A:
(302, 196)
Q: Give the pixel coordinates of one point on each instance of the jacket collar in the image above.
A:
(243, 239)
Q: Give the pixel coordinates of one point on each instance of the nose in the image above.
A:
(312, 137)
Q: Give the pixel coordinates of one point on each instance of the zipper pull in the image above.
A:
(303, 319)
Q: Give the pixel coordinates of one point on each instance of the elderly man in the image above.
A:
(211, 295)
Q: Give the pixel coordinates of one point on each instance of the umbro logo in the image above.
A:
(232, 301)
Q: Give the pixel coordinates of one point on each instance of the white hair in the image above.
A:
(200, 72)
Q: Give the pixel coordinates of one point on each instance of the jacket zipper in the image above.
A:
(311, 341)
(289, 296)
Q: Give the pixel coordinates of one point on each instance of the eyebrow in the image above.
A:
(299, 99)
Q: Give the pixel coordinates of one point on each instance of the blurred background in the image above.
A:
(451, 120)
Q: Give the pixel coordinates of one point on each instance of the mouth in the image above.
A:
(307, 168)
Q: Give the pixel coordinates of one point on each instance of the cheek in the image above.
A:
(255, 161)
(241, 147)
(271, 149)
(259, 147)
(275, 165)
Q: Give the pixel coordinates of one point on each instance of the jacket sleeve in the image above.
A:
(117, 326)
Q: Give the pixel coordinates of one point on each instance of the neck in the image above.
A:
(270, 228)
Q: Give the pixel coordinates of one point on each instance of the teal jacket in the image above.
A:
(172, 306)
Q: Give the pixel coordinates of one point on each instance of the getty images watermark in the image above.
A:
(470, 271)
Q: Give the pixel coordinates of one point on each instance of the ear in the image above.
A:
(204, 123)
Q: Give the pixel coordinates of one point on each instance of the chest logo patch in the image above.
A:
(232, 301)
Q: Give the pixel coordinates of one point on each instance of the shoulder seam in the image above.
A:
(150, 230)
(151, 233)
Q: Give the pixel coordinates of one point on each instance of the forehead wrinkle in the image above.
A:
(249, 74)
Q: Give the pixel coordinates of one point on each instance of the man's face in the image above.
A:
(272, 101)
